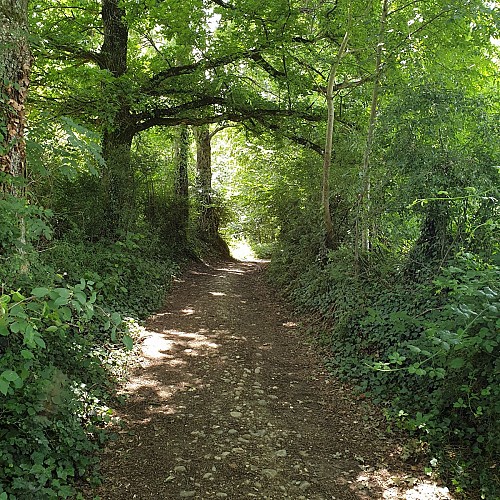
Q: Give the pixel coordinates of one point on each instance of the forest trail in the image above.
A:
(229, 401)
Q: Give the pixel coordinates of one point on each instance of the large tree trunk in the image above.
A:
(209, 216)
(118, 181)
(208, 223)
(118, 176)
(15, 64)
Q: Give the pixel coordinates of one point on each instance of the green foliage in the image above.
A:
(413, 318)
(131, 276)
(21, 224)
(63, 343)
(454, 362)
(427, 350)
(57, 344)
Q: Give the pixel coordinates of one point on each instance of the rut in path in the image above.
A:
(230, 402)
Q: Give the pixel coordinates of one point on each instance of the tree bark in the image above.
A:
(15, 65)
(209, 212)
(118, 181)
(115, 43)
(118, 176)
(208, 223)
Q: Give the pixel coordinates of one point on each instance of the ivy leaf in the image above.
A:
(129, 343)
(457, 363)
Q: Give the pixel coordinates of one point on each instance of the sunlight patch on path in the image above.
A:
(395, 486)
(156, 346)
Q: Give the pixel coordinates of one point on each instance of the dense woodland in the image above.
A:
(353, 142)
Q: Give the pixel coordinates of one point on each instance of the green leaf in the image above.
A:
(457, 363)
(40, 292)
(39, 341)
(116, 318)
(65, 313)
(9, 375)
(18, 311)
(5, 299)
(19, 326)
(61, 301)
(81, 297)
(129, 343)
(27, 354)
(18, 297)
(4, 386)
(4, 331)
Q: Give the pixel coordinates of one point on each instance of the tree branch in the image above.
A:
(187, 69)
(237, 115)
(301, 141)
(202, 102)
(78, 53)
(269, 68)
(224, 5)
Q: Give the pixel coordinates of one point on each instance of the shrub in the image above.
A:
(426, 349)
(55, 385)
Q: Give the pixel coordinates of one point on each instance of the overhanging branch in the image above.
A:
(236, 116)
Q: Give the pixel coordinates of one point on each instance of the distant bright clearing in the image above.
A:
(240, 250)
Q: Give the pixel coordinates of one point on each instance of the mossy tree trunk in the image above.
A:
(209, 211)
(118, 176)
(15, 65)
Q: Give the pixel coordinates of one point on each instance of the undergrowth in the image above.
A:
(426, 348)
(65, 312)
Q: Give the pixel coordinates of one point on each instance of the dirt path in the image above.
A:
(230, 402)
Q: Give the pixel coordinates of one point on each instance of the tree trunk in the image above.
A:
(118, 176)
(208, 223)
(182, 183)
(327, 157)
(118, 182)
(209, 217)
(15, 64)
(115, 43)
(363, 225)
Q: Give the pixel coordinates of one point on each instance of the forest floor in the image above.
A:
(230, 400)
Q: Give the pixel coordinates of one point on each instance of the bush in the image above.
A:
(453, 362)
(62, 346)
(426, 349)
(130, 277)
(56, 345)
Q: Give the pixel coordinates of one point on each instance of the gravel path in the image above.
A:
(229, 401)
